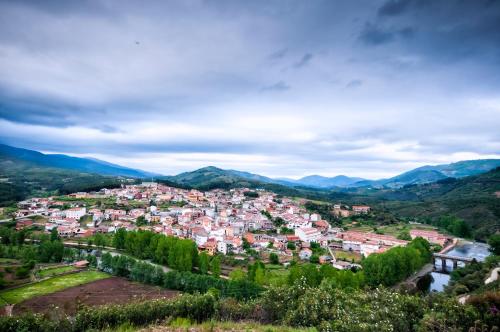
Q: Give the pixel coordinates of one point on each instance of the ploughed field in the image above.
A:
(112, 290)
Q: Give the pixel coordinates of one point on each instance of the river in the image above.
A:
(476, 250)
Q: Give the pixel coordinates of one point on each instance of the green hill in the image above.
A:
(474, 199)
(87, 165)
(20, 179)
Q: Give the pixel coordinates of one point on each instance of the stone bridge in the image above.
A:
(454, 259)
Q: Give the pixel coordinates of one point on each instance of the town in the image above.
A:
(218, 221)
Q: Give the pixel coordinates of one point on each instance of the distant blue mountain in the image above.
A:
(318, 181)
(86, 165)
(429, 174)
(421, 175)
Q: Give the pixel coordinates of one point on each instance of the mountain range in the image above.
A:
(466, 189)
(209, 176)
(87, 165)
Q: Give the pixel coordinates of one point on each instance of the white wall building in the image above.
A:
(308, 234)
(75, 213)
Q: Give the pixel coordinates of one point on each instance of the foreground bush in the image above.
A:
(195, 307)
(325, 308)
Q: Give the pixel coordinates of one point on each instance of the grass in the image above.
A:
(51, 285)
(347, 256)
(183, 324)
(55, 270)
(8, 261)
(392, 229)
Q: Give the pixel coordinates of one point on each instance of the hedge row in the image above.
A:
(195, 307)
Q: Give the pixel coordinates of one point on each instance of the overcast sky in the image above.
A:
(280, 88)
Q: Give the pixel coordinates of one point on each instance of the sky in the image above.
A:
(280, 88)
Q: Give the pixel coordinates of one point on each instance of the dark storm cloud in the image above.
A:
(394, 7)
(439, 30)
(306, 58)
(375, 35)
(38, 111)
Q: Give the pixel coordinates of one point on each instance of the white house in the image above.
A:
(75, 213)
(305, 254)
(308, 234)
(222, 247)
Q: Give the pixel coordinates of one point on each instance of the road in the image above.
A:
(426, 269)
(113, 252)
(18, 218)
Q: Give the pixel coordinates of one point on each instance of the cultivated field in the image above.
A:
(51, 285)
(105, 291)
(52, 271)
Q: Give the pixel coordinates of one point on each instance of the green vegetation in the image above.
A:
(494, 242)
(176, 253)
(325, 210)
(215, 266)
(397, 263)
(28, 179)
(470, 278)
(304, 295)
(49, 272)
(140, 271)
(203, 262)
(49, 250)
(51, 285)
(251, 194)
(348, 256)
(325, 308)
(226, 326)
(471, 199)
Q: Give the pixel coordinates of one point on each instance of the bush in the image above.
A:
(22, 272)
(195, 307)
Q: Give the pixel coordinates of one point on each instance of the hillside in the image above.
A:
(475, 199)
(86, 165)
(211, 177)
(20, 179)
(429, 174)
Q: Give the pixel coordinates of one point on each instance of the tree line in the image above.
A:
(176, 253)
(128, 267)
(397, 263)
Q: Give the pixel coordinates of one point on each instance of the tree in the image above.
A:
(215, 266)
(246, 244)
(278, 222)
(251, 194)
(141, 221)
(54, 235)
(404, 235)
(494, 242)
(203, 262)
(284, 230)
(291, 245)
(273, 258)
(237, 274)
(100, 240)
(119, 238)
